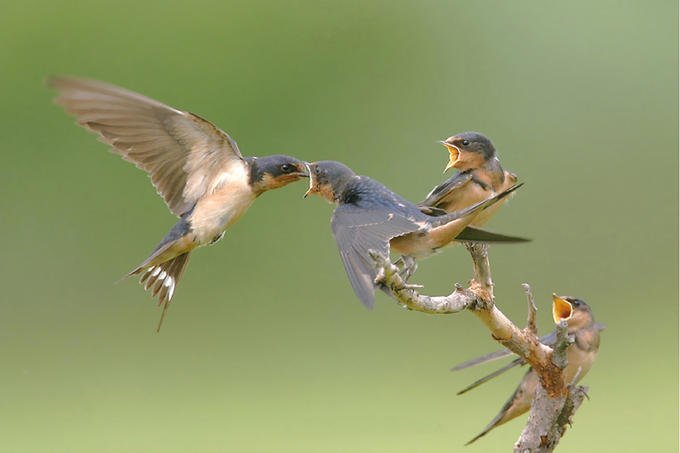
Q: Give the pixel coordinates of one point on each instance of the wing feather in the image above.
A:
(446, 189)
(181, 152)
(358, 230)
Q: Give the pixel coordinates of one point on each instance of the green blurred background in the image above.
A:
(265, 347)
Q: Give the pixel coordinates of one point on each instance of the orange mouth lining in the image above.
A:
(454, 155)
(562, 309)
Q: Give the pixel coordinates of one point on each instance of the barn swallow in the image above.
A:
(196, 168)
(581, 353)
(480, 176)
(369, 216)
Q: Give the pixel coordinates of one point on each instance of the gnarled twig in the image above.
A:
(554, 402)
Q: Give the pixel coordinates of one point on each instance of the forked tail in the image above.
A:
(162, 279)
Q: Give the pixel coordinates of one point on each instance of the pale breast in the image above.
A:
(229, 198)
(486, 214)
(579, 363)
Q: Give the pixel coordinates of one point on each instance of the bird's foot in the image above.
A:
(408, 267)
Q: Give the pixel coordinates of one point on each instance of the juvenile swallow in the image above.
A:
(480, 176)
(369, 216)
(196, 168)
(581, 354)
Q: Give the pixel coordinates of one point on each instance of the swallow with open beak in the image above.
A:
(480, 176)
(369, 216)
(584, 334)
(196, 168)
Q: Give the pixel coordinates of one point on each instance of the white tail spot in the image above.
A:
(170, 284)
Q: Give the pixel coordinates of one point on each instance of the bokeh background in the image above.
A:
(265, 347)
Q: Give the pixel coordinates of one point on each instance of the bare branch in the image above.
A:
(554, 403)
(560, 349)
(550, 412)
(407, 296)
(531, 317)
(479, 251)
(548, 419)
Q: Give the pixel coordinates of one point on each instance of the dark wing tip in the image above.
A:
(483, 433)
(368, 302)
(476, 234)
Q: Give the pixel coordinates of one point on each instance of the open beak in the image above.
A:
(454, 155)
(312, 180)
(562, 309)
(304, 171)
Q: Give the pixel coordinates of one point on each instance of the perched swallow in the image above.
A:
(196, 168)
(369, 216)
(581, 354)
(480, 177)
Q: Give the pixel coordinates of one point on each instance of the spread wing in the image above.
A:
(181, 152)
(446, 189)
(358, 230)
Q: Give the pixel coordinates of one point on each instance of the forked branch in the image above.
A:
(555, 402)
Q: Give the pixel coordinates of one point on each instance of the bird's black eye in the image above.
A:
(287, 168)
(465, 142)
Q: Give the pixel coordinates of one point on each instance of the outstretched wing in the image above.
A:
(181, 152)
(358, 230)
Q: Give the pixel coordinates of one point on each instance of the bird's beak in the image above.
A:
(561, 309)
(312, 180)
(309, 191)
(304, 172)
(454, 155)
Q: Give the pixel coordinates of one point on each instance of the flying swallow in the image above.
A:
(369, 216)
(196, 168)
(581, 353)
(480, 176)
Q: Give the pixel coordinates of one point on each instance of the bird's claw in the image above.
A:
(408, 267)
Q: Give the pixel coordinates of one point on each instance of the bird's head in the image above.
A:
(576, 312)
(278, 170)
(328, 179)
(468, 150)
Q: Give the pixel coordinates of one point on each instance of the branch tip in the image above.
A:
(531, 308)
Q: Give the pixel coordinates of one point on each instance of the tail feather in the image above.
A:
(488, 377)
(493, 423)
(476, 234)
(518, 403)
(162, 280)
